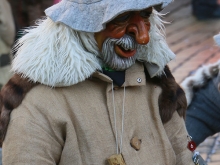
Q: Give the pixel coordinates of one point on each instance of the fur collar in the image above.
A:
(199, 79)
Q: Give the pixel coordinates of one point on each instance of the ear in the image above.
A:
(11, 97)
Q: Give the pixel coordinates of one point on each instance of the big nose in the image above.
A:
(139, 29)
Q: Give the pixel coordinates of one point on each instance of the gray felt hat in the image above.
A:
(92, 15)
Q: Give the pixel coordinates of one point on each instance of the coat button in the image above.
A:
(136, 143)
(139, 80)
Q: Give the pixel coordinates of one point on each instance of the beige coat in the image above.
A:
(75, 125)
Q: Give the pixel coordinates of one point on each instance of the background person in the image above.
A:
(203, 98)
(203, 9)
(7, 36)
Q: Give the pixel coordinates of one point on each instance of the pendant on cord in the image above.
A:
(191, 144)
(116, 160)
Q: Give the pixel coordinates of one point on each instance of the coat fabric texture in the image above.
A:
(7, 35)
(75, 125)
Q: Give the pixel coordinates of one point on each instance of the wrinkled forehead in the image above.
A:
(92, 15)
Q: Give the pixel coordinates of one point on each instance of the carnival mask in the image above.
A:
(118, 43)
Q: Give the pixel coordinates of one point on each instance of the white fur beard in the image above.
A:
(111, 59)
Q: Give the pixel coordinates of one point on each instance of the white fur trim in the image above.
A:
(157, 52)
(46, 55)
(199, 79)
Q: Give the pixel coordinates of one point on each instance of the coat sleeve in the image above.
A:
(7, 27)
(177, 134)
(28, 143)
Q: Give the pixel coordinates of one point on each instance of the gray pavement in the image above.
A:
(210, 150)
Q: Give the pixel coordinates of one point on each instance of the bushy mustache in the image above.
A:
(127, 42)
(111, 59)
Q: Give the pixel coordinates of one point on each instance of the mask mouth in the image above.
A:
(125, 47)
(124, 52)
(119, 54)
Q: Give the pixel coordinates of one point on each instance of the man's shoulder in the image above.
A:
(43, 101)
(42, 92)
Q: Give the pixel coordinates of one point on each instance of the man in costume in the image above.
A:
(91, 86)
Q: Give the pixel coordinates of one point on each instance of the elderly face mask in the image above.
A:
(118, 43)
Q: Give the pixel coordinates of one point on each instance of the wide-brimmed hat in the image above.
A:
(92, 15)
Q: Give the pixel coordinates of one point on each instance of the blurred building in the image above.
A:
(27, 11)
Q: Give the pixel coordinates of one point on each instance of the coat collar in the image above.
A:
(134, 76)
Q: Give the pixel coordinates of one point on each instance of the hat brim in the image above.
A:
(94, 16)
